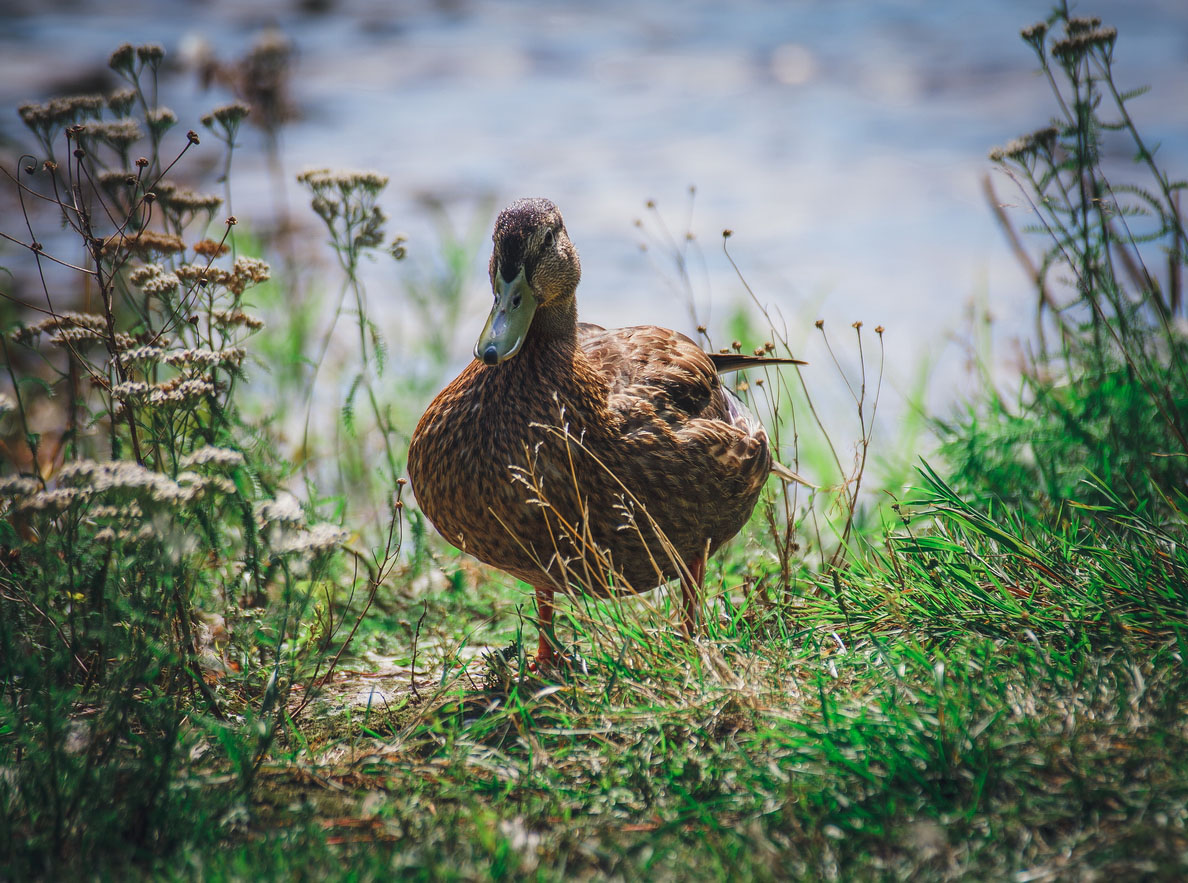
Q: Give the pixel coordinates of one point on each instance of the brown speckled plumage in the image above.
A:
(570, 460)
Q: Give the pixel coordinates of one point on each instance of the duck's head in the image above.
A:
(534, 274)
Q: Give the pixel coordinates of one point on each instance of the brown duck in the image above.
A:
(571, 456)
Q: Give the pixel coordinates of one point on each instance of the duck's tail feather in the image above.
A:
(725, 362)
(788, 475)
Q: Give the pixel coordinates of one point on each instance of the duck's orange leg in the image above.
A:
(691, 591)
(545, 652)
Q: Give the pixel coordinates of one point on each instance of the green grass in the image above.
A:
(984, 680)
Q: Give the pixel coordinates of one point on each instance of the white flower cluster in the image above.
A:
(284, 527)
(245, 273)
(118, 133)
(145, 273)
(344, 179)
(179, 394)
(161, 285)
(207, 358)
(283, 510)
(92, 481)
(172, 393)
(319, 538)
(131, 389)
(212, 456)
(18, 486)
(55, 500)
(71, 336)
(69, 321)
(140, 354)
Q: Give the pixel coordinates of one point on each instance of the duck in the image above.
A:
(577, 458)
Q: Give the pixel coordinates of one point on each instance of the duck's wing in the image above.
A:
(657, 366)
(655, 373)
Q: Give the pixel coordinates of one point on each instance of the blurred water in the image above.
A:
(843, 141)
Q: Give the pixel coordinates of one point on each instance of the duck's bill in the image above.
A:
(507, 326)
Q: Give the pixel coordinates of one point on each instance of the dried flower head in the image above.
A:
(45, 119)
(202, 274)
(229, 318)
(1022, 148)
(116, 183)
(144, 243)
(91, 323)
(344, 180)
(227, 116)
(123, 60)
(118, 134)
(121, 101)
(160, 119)
(210, 249)
(1073, 47)
(1081, 24)
(150, 53)
(188, 200)
(1035, 31)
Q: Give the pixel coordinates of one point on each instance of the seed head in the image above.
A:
(123, 59)
(228, 318)
(227, 116)
(120, 102)
(160, 119)
(150, 53)
(1081, 24)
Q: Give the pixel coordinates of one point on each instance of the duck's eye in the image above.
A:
(548, 238)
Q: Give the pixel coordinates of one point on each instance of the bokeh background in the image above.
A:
(844, 143)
